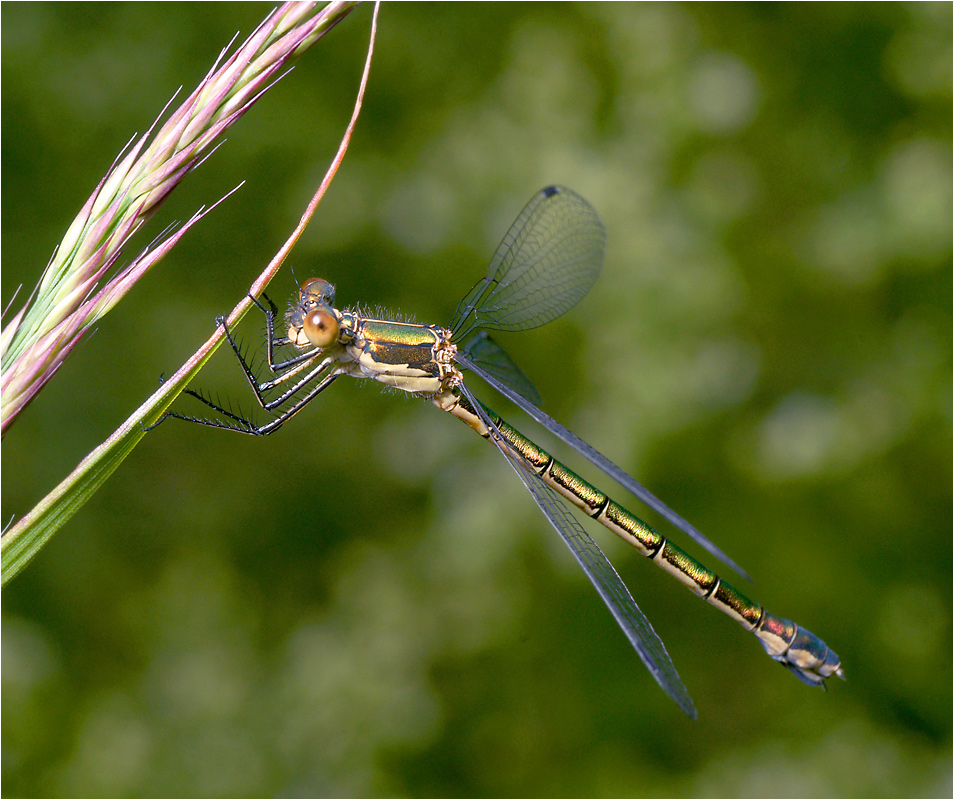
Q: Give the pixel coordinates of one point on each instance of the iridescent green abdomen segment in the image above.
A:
(796, 648)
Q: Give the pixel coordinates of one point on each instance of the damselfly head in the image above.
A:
(315, 291)
(313, 321)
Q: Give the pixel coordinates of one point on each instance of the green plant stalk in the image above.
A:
(28, 536)
(69, 299)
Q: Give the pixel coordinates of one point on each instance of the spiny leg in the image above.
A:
(244, 424)
(278, 402)
(292, 368)
(271, 405)
(285, 370)
(271, 340)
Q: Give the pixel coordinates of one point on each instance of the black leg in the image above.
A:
(285, 370)
(244, 424)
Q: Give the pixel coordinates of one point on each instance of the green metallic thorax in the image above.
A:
(411, 357)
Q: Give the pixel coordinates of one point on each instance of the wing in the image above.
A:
(601, 461)
(544, 266)
(600, 572)
(493, 359)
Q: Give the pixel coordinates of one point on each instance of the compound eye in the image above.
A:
(316, 290)
(321, 327)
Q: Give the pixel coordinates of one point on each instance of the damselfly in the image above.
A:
(545, 264)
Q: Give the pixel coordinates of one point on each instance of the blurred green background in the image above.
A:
(367, 603)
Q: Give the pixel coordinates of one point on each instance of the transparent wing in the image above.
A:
(599, 460)
(493, 359)
(600, 571)
(544, 266)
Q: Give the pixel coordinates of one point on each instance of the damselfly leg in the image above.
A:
(244, 424)
(285, 370)
(271, 341)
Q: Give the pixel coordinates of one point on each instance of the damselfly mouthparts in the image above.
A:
(545, 264)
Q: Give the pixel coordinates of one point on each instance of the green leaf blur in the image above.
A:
(367, 602)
